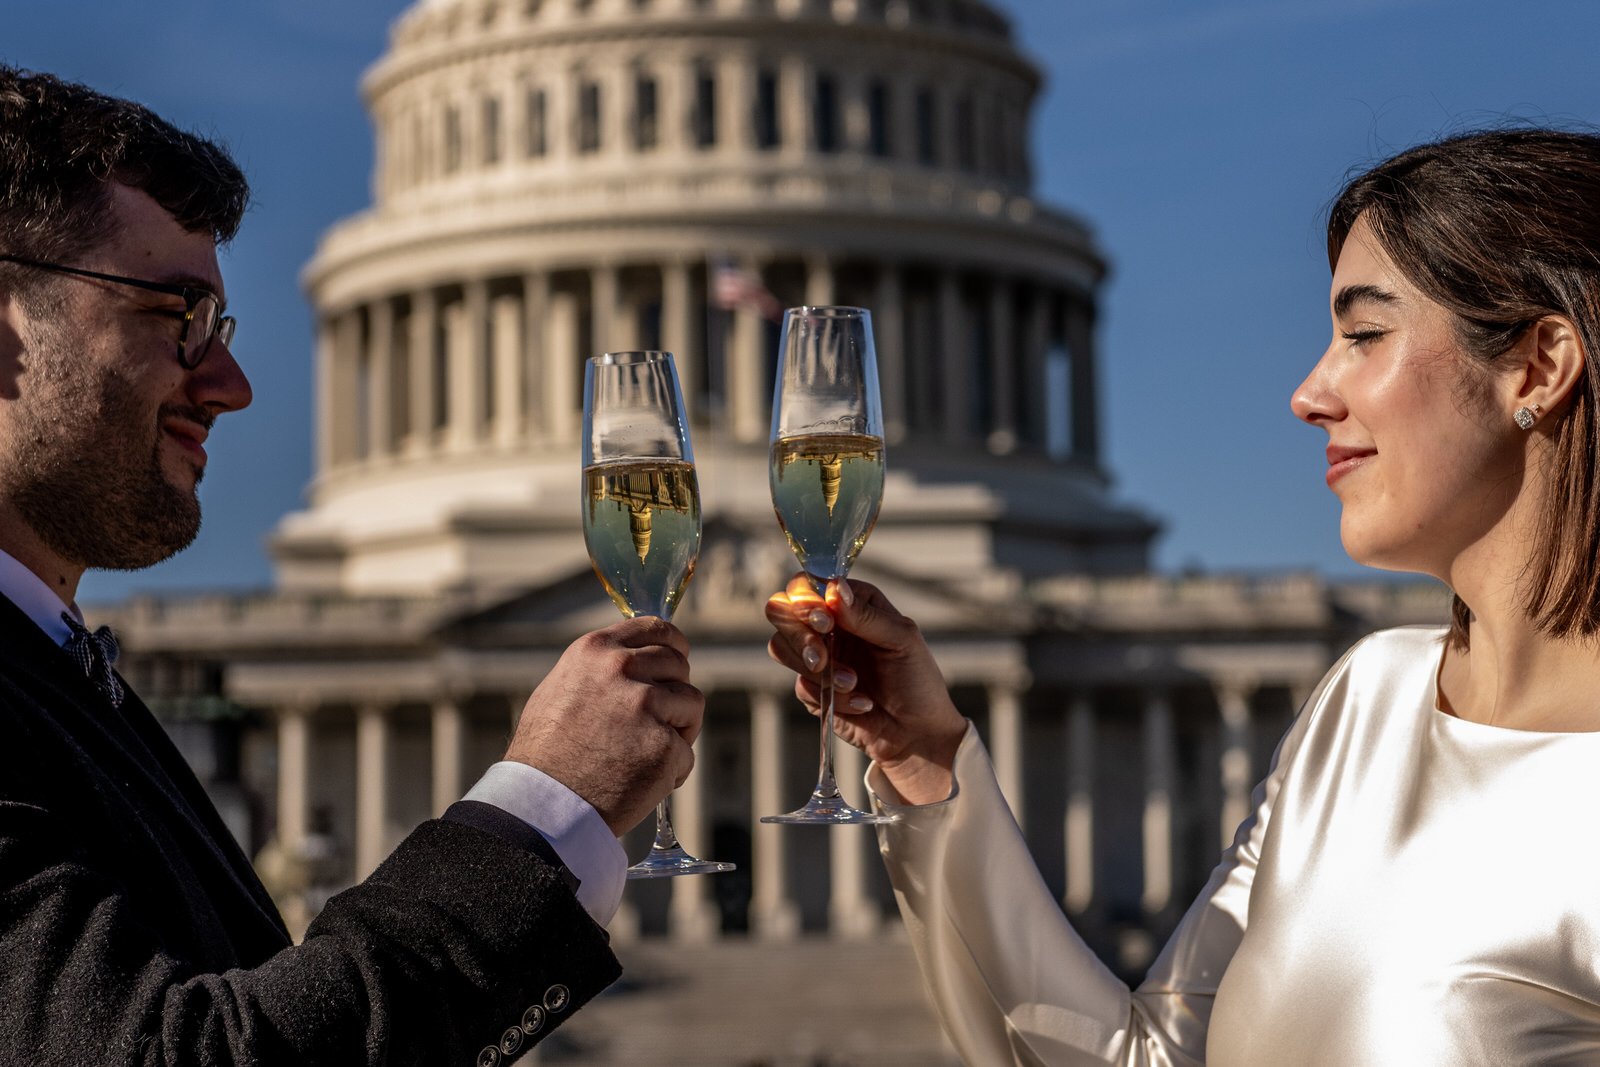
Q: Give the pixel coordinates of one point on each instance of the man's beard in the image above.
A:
(90, 482)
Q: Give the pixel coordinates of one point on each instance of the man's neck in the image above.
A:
(18, 541)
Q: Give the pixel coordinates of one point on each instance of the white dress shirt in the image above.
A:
(567, 821)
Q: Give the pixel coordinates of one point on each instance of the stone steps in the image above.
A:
(807, 1003)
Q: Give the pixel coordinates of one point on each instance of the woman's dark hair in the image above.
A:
(62, 146)
(1502, 228)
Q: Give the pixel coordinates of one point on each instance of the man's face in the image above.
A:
(104, 445)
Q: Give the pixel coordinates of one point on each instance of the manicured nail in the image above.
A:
(845, 594)
(861, 703)
(844, 678)
(820, 620)
(812, 657)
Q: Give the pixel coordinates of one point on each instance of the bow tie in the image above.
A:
(95, 651)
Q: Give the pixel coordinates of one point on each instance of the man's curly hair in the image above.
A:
(63, 146)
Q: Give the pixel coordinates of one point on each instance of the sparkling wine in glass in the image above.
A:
(641, 517)
(826, 475)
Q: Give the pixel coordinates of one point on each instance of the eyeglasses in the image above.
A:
(202, 314)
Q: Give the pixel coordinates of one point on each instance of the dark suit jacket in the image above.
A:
(133, 929)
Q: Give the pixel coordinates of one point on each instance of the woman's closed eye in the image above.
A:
(1361, 337)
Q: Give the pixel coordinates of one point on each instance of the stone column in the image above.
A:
(1080, 343)
(748, 388)
(509, 384)
(1005, 745)
(851, 914)
(889, 326)
(773, 913)
(380, 378)
(1002, 369)
(820, 290)
(794, 107)
(1158, 788)
(1233, 704)
(1080, 805)
(467, 329)
(854, 121)
(294, 802)
(447, 752)
(327, 396)
(675, 77)
(955, 357)
(424, 327)
(676, 319)
(535, 345)
(1035, 351)
(603, 301)
(561, 362)
(372, 788)
(347, 413)
(735, 90)
(692, 915)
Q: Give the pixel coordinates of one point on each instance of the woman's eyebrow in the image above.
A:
(1352, 294)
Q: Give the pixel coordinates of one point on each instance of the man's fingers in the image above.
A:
(642, 631)
(656, 663)
(678, 705)
(681, 760)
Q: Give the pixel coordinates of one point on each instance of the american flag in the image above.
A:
(734, 287)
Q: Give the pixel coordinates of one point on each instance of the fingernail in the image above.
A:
(812, 657)
(845, 594)
(861, 703)
(844, 678)
(820, 620)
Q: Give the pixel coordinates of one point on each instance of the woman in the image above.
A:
(1419, 880)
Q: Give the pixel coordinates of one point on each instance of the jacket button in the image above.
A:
(511, 1041)
(533, 1020)
(489, 1057)
(556, 999)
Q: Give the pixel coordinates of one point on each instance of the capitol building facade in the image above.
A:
(559, 178)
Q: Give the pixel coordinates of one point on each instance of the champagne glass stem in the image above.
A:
(827, 784)
(665, 837)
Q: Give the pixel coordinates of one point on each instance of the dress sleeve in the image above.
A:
(1012, 981)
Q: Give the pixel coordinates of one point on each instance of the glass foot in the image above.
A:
(671, 862)
(828, 811)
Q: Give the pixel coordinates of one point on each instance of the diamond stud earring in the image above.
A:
(1527, 416)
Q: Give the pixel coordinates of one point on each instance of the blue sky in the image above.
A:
(1202, 139)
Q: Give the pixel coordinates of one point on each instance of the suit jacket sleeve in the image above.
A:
(454, 943)
(1012, 981)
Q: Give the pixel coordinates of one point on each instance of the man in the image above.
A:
(132, 928)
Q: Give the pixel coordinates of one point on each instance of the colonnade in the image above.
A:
(652, 97)
(852, 907)
(494, 362)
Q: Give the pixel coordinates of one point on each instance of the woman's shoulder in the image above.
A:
(1379, 667)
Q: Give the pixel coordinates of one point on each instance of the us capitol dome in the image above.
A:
(559, 178)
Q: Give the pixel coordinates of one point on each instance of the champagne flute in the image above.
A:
(826, 475)
(641, 517)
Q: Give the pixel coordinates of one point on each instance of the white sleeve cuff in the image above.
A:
(569, 823)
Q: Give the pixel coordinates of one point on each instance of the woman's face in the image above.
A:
(1419, 453)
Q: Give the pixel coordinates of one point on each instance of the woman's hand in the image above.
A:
(890, 699)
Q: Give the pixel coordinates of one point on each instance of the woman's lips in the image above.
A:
(1342, 460)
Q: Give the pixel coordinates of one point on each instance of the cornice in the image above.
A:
(411, 60)
(867, 204)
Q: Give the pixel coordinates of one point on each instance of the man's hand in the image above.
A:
(615, 720)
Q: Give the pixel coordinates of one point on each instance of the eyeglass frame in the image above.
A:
(224, 326)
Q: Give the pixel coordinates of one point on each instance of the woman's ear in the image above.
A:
(1550, 361)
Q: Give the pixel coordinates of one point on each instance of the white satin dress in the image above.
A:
(1411, 889)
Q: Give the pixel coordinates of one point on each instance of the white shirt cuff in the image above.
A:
(569, 823)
